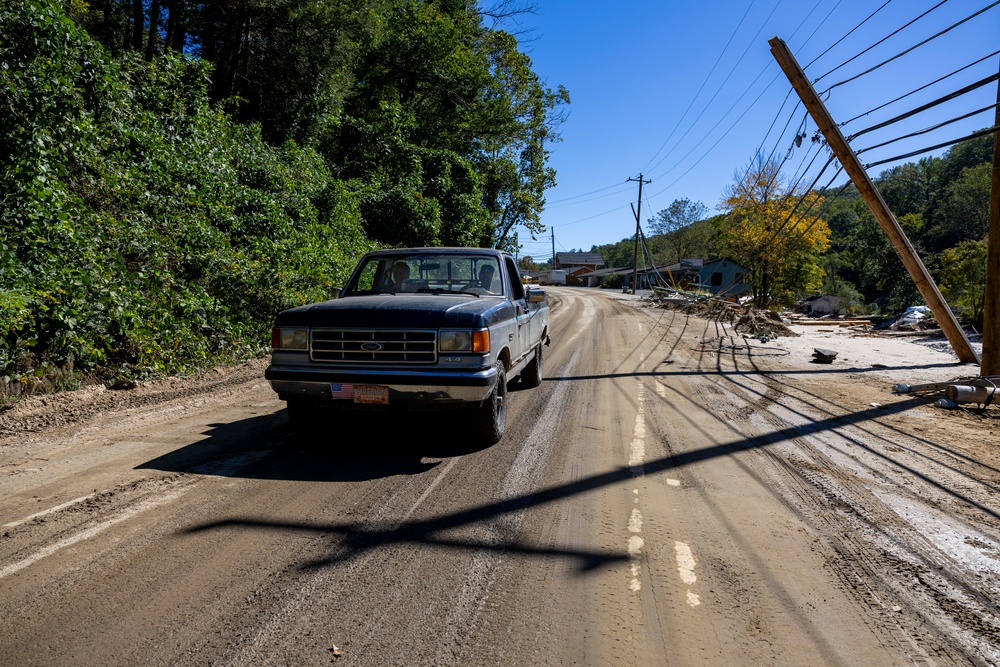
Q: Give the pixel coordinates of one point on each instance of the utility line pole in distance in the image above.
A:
(635, 255)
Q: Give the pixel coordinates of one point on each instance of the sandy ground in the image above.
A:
(673, 493)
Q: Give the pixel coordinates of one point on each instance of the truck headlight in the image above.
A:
(289, 338)
(464, 341)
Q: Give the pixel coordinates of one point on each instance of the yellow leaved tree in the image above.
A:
(777, 237)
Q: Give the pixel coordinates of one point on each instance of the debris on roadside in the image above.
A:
(981, 390)
(746, 320)
(823, 356)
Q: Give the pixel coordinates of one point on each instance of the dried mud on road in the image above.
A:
(673, 494)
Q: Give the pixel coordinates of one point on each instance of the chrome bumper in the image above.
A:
(409, 387)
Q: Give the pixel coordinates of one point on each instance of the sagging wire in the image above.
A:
(892, 34)
(801, 199)
(917, 90)
(930, 105)
(915, 46)
(827, 203)
(929, 129)
(974, 135)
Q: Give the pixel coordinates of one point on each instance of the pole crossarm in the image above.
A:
(886, 220)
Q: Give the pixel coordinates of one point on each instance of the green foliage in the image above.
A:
(766, 232)
(175, 178)
(941, 203)
(963, 279)
(146, 232)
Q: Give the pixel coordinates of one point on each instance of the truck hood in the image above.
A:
(410, 311)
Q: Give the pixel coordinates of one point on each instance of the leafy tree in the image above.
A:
(523, 116)
(765, 231)
(147, 233)
(964, 212)
(677, 223)
(963, 278)
(527, 263)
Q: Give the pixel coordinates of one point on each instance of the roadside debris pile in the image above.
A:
(981, 390)
(914, 318)
(748, 321)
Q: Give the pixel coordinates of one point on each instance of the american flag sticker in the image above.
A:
(342, 390)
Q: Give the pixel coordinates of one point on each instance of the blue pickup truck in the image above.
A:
(416, 328)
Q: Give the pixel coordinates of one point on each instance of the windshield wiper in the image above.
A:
(439, 290)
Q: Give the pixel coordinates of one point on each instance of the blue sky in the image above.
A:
(687, 92)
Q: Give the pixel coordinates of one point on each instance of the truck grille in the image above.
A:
(379, 346)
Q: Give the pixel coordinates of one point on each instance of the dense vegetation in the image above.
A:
(942, 204)
(175, 173)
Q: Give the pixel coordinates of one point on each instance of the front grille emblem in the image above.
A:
(371, 347)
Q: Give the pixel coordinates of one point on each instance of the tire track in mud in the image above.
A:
(749, 411)
(882, 557)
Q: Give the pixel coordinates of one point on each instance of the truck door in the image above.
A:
(525, 322)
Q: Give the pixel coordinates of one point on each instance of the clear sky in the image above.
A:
(685, 92)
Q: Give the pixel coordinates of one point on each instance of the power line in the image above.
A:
(703, 84)
(974, 135)
(849, 33)
(930, 105)
(915, 46)
(929, 129)
(917, 90)
(898, 30)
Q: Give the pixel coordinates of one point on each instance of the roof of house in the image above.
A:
(578, 258)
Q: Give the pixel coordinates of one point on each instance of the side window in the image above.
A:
(514, 276)
(366, 280)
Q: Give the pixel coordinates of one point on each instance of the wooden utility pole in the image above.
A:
(635, 254)
(991, 309)
(553, 248)
(886, 220)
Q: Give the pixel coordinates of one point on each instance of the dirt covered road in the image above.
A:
(673, 494)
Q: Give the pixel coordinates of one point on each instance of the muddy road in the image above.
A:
(670, 495)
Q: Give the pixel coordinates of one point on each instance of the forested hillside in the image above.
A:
(175, 173)
(942, 204)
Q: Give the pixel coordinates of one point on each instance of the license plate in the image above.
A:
(374, 394)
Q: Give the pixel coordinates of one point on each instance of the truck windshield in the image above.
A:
(425, 273)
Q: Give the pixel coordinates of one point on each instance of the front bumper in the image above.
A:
(414, 388)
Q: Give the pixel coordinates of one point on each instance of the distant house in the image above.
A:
(821, 305)
(724, 277)
(578, 262)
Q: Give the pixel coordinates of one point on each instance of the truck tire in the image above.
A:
(490, 419)
(531, 376)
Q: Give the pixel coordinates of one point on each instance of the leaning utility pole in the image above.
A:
(991, 308)
(635, 255)
(886, 220)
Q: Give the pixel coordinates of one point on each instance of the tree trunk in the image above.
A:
(154, 20)
(138, 23)
(176, 24)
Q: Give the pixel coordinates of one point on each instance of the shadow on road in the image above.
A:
(363, 447)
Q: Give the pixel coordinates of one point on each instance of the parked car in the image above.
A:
(417, 328)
